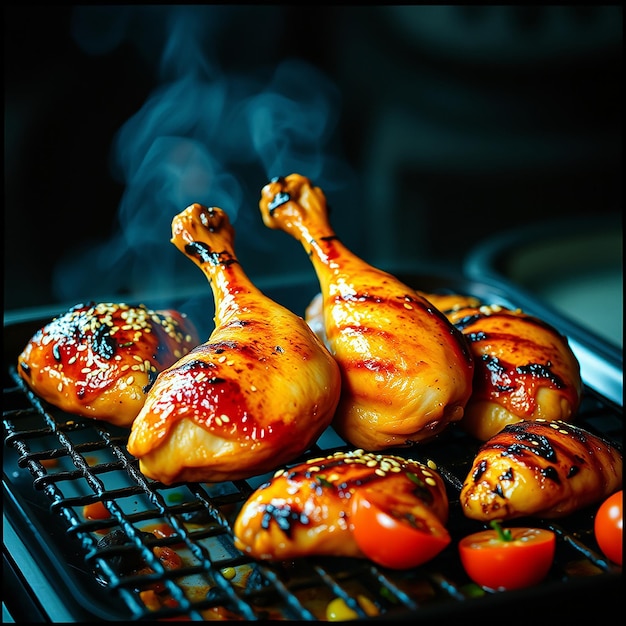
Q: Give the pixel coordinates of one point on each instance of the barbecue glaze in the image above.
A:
(255, 395)
(98, 360)
(540, 469)
(524, 369)
(305, 510)
(406, 371)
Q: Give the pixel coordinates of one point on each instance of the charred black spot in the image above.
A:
(103, 343)
(56, 352)
(551, 473)
(282, 197)
(204, 254)
(537, 444)
(573, 471)
(481, 468)
(498, 490)
(284, 516)
(538, 370)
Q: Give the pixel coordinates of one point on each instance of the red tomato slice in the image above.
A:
(394, 535)
(608, 525)
(499, 564)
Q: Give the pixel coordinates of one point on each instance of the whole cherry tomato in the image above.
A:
(608, 525)
(512, 558)
(395, 536)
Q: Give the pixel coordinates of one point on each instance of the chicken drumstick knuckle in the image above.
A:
(255, 395)
(406, 370)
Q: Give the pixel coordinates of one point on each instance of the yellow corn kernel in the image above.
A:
(338, 611)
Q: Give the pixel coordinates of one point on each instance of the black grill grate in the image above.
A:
(55, 464)
(75, 462)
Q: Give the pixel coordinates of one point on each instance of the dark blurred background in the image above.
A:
(428, 127)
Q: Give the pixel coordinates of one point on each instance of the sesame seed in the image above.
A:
(218, 421)
(430, 481)
(407, 306)
(221, 359)
(225, 418)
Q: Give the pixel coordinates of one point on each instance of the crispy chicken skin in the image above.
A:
(98, 360)
(524, 369)
(406, 371)
(540, 469)
(305, 510)
(255, 395)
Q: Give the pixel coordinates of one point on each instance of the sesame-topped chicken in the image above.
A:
(543, 469)
(255, 395)
(406, 370)
(313, 508)
(524, 369)
(98, 360)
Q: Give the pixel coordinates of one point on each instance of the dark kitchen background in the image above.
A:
(429, 128)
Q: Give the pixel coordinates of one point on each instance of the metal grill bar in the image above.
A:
(92, 465)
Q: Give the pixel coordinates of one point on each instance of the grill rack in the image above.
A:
(56, 463)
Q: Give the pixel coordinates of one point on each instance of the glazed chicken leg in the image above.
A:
(259, 392)
(99, 359)
(540, 469)
(524, 368)
(406, 371)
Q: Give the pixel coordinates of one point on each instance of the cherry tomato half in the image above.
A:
(393, 537)
(499, 563)
(608, 525)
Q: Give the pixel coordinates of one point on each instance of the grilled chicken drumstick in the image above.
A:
(524, 369)
(98, 360)
(406, 371)
(540, 469)
(259, 392)
(306, 509)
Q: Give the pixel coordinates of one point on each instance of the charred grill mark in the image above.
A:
(492, 364)
(196, 364)
(538, 370)
(468, 320)
(205, 254)
(535, 370)
(284, 516)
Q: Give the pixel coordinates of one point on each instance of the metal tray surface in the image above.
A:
(55, 463)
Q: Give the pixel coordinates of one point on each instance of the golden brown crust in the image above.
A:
(305, 510)
(258, 393)
(540, 469)
(524, 369)
(406, 371)
(98, 360)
